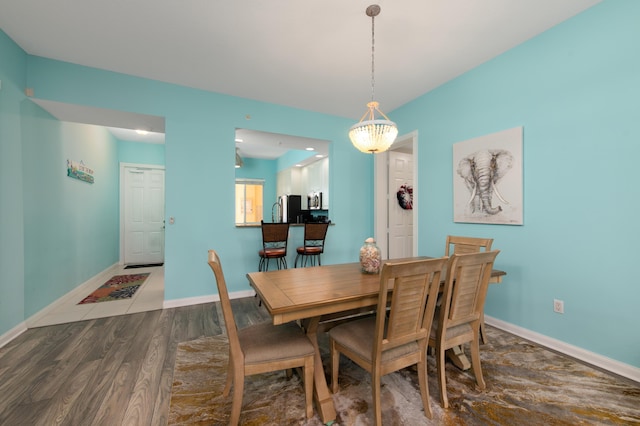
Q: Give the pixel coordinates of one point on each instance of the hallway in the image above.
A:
(149, 297)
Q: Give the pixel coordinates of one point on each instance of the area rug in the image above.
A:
(117, 288)
(526, 384)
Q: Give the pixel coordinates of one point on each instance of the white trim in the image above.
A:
(188, 301)
(123, 166)
(592, 358)
(249, 180)
(380, 190)
(79, 292)
(13, 333)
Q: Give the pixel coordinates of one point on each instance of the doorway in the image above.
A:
(141, 214)
(396, 221)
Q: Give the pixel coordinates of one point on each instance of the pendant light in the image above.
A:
(373, 135)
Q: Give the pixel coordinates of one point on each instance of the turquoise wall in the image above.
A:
(140, 153)
(575, 90)
(13, 62)
(293, 157)
(71, 227)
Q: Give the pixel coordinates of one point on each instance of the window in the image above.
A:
(249, 204)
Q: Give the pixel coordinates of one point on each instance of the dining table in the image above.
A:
(317, 294)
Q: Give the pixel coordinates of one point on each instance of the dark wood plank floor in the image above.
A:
(107, 371)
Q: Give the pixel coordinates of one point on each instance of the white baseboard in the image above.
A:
(616, 367)
(80, 292)
(13, 333)
(176, 303)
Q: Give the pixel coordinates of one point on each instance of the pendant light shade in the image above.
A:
(371, 135)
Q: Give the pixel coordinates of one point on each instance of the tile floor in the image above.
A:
(149, 297)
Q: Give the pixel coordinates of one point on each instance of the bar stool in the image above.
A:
(313, 245)
(274, 245)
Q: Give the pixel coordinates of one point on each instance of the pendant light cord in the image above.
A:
(373, 42)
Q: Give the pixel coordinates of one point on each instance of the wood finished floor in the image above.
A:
(106, 371)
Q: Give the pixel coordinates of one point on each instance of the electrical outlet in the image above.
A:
(558, 306)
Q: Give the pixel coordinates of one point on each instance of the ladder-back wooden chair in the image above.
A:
(261, 348)
(464, 245)
(313, 244)
(386, 343)
(459, 316)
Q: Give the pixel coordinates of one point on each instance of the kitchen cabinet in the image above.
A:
(289, 181)
(304, 180)
(315, 178)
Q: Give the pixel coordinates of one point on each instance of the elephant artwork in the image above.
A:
(481, 172)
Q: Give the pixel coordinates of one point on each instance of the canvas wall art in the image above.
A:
(487, 179)
(77, 170)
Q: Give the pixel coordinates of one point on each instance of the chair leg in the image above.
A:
(230, 370)
(375, 391)
(442, 381)
(475, 361)
(308, 385)
(424, 385)
(238, 390)
(295, 262)
(264, 264)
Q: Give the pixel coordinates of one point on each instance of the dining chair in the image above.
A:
(458, 318)
(313, 244)
(397, 338)
(261, 348)
(274, 245)
(463, 245)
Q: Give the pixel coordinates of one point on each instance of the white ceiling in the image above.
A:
(305, 54)
(255, 144)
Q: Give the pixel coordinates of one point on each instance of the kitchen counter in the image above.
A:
(257, 225)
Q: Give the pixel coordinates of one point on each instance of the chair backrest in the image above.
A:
(464, 245)
(315, 234)
(465, 289)
(225, 302)
(415, 291)
(275, 235)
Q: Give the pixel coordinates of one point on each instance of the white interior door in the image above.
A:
(400, 219)
(143, 215)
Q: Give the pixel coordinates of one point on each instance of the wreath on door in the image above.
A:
(405, 197)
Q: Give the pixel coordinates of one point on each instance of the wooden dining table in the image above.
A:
(312, 295)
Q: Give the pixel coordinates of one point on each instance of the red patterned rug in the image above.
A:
(117, 288)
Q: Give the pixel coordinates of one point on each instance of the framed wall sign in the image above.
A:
(77, 170)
